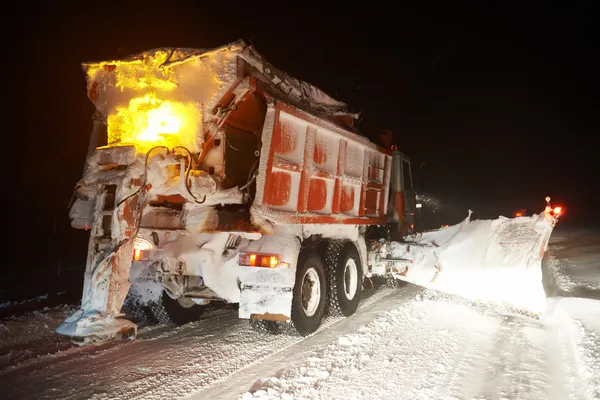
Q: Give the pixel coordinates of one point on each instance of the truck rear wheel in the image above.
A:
(176, 312)
(344, 273)
(136, 312)
(309, 294)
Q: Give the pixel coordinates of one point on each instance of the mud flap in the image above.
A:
(267, 294)
(106, 279)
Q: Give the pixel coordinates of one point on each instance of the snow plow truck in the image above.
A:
(213, 176)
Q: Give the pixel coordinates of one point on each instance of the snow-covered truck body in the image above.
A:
(222, 178)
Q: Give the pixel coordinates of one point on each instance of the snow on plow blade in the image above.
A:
(497, 262)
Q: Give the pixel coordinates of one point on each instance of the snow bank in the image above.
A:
(16, 303)
(35, 325)
(587, 311)
(582, 317)
(576, 271)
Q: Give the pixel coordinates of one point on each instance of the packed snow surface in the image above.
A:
(405, 343)
(419, 351)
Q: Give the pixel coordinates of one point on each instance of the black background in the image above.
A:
(498, 101)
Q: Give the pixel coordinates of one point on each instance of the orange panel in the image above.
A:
(320, 122)
(337, 191)
(129, 215)
(305, 185)
(320, 154)
(317, 195)
(373, 173)
(382, 198)
(335, 206)
(371, 202)
(278, 191)
(284, 139)
(347, 201)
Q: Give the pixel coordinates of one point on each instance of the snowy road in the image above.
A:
(405, 343)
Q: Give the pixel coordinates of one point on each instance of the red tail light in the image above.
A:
(258, 260)
(557, 210)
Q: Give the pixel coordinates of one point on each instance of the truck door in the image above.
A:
(403, 195)
(410, 200)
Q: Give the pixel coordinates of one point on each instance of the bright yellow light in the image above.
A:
(148, 122)
(273, 262)
(148, 107)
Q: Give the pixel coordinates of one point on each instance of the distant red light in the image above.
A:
(557, 210)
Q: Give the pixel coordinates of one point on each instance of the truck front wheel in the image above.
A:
(308, 303)
(345, 278)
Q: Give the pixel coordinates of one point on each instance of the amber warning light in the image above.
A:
(260, 260)
(140, 255)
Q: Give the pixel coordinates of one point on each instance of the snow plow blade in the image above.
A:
(497, 262)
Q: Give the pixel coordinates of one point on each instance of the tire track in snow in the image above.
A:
(438, 349)
(411, 352)
(161, 364)
(332, 326)
(588, 349)
(29, 356)
(517, 369)
(580, 350)
(465, 377)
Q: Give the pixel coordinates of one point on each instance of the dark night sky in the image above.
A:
(497, 102)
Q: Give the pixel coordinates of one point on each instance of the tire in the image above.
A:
(138, 313)
(310, 292)
(344, 278)
(176, 312)
(264, 326)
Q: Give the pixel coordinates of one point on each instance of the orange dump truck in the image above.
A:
(214, 176)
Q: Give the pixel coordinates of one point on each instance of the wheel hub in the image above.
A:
(311, 292)
(350, 279)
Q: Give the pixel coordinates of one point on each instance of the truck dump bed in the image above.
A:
(314, 172)
(250, 124)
